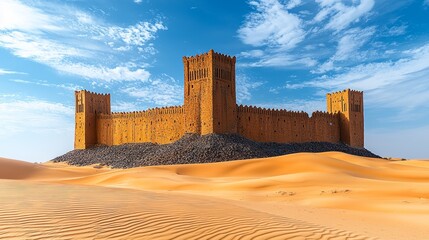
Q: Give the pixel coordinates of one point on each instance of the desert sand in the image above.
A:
(299, 196)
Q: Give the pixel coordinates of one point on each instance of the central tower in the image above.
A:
(210, 100)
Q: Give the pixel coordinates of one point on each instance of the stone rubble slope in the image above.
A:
(193, 148)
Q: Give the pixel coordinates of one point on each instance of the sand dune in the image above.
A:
(299, 196)
(78, 212)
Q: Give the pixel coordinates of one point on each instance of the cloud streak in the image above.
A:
(339, 15)
(75, 42)
(161, 91)
(401, 84)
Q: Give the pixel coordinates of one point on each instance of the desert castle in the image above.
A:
(210, 107)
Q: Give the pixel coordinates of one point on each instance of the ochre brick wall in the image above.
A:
(88, 106)
(159, 125)
(349, 104)
(268, 125)
(210, 107)
(209, 93)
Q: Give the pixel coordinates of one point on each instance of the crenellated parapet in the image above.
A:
(146, 113)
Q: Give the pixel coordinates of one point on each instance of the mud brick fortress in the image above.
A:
(210, 107)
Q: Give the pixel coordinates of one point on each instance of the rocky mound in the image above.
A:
(195, 149)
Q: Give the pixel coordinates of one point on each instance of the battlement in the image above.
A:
(269, 111)
(93, 93)
(345, 91)
(210, 107)
(143, 113)
(204, 57)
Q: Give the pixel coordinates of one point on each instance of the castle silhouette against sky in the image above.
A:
(210, 107)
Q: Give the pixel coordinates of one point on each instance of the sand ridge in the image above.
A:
(259, 198)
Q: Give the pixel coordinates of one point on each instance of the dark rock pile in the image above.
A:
(195, 149)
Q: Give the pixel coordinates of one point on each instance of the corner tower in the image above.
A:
(349, 105)
(210, 99)
(88, 105)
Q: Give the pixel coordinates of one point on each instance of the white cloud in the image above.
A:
(340, 15)
(398, 30)
(4, 72)
(136, 35)
(66, 86)
(401, 84)
(33, 115)
(138, 1)
(75, 42)
(281, 60)
(122, 106)
(161, 91)
(252, 54)
(348, 48)
(244, 87)
(293, 3)
(119, 73)
(271, 25)
(38, 49)
(351, 42)
(16, 15)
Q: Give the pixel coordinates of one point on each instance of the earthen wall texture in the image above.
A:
(159, 125)
(349, 104)
(88, 106)
(267, 125)
(210, 100)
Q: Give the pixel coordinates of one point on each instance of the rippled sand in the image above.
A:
(300, 196)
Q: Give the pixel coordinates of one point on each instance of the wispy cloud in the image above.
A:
(401, 84)
(348, 45)
(161, 91)
(4, 72)
(35, 20)
(66, 86)
(280, 60)
(285, 38)
(244, 87)
(340, 15)
(138, 1)
(23, 114)
(75, 42)
(398, 30)
(293, 3)
(119, 73)
(122, 106)
(266, 26)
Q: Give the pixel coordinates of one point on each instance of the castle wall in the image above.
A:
(356, 119)
(88, 106)
(224, 97)
(210, 100)
(267, 125)
(198, 93)
(159, 125)
(349, 105)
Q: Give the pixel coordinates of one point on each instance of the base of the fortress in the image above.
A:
(196, 149)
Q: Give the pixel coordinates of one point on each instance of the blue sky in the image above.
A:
(289, 55)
